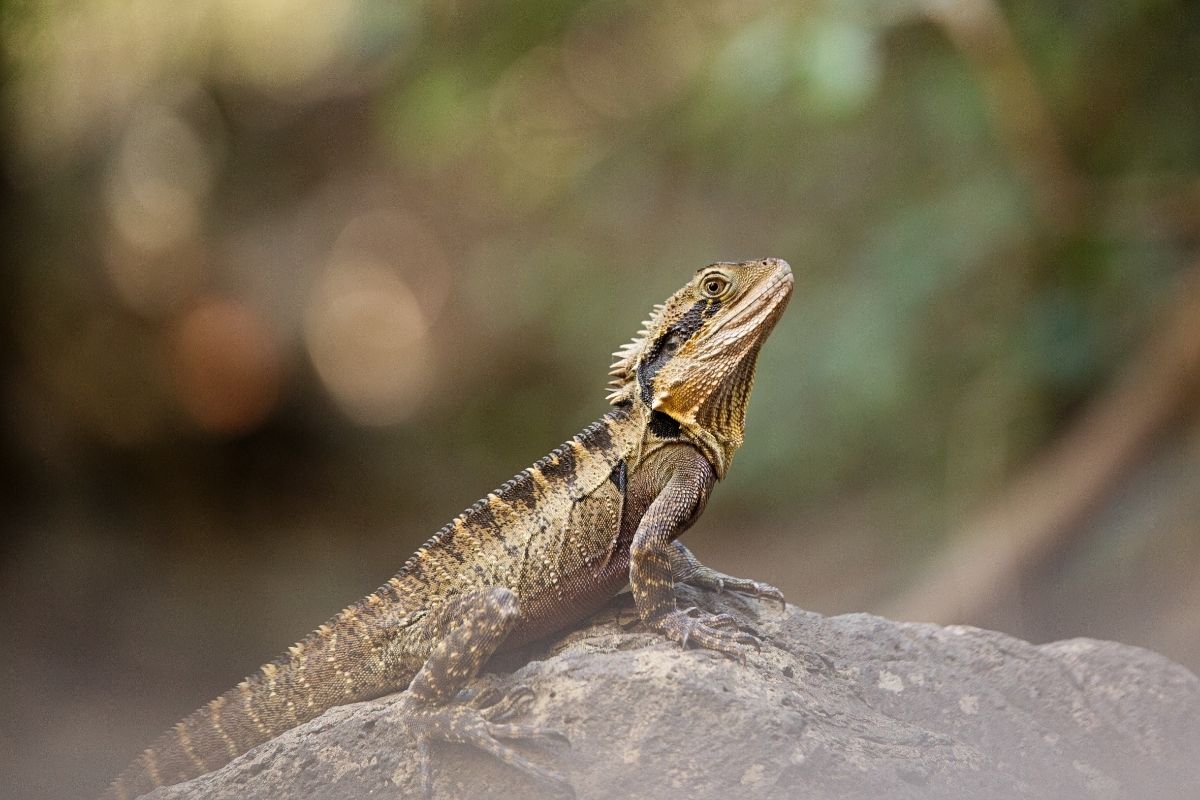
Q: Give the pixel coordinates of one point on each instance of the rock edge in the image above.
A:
(852, 706)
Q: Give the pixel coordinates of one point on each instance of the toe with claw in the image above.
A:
(706, 578)
(710, 631)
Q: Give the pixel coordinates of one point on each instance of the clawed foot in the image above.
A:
(706, 578)
(496, 706)
(721, 620)
(712, 631)
(481, 722)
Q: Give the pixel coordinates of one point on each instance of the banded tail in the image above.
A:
(283, 694)
(207, 739)
(257, 710)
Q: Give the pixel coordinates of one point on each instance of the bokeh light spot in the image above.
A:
(161, 175)
(366, 335)
(227, 367)
(390, 236)
(280, 44)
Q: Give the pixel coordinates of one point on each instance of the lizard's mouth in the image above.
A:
(759, 309)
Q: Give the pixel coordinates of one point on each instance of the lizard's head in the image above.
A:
(692, 365)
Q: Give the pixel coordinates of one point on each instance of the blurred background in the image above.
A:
(289, 283)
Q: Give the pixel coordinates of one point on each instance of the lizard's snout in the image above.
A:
(780, 266)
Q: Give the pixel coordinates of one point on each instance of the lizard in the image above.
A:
(545, 550)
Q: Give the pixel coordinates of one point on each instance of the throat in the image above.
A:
(721, 419)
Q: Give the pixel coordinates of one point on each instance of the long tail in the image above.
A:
(328, 668)
(213, 735)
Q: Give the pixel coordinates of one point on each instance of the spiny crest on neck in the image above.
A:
(623, 385)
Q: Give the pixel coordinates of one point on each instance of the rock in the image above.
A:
(832, 707)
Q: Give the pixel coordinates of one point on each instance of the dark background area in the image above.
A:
(287, 284)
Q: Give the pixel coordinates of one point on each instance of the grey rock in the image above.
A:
(832, 707)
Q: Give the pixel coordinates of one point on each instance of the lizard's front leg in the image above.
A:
(467, 630)
(687, 569)
(650, 555)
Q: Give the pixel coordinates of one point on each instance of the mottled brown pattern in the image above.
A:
(520, 491)
(544, 550)
(561, 467)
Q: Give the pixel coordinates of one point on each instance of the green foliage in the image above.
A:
(550, 170)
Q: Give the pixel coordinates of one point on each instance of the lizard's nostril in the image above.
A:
(779, 264)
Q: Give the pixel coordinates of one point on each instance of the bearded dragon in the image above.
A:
(542, 552)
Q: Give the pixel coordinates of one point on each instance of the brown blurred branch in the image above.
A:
(1150, 205)
(1045, 506)
(980, 32)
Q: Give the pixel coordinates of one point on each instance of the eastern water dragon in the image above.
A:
(542, 552)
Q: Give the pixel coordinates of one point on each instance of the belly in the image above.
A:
(572, 573)
(575, 597)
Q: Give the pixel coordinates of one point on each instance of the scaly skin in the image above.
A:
(542, 552)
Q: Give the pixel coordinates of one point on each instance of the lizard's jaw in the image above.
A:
(741, 331)
(759, 310)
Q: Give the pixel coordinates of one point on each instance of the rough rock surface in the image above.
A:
(833, 707)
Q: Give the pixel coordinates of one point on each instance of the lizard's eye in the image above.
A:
(714, 286)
